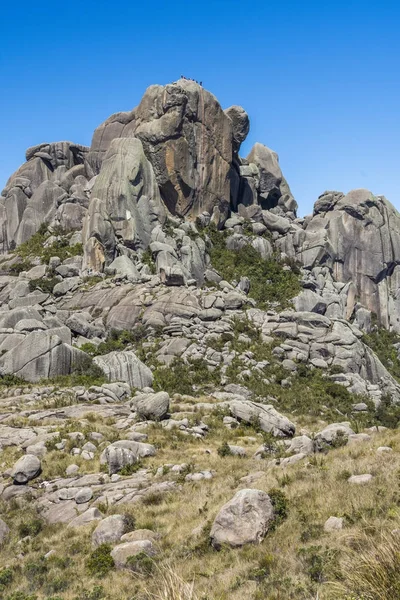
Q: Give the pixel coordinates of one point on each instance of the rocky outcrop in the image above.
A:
(125, 205)
(40, 355)
(357, 237)
(47, 188)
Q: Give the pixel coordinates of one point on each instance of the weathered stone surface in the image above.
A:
(152, 406)
(90, 515)
(125, 366)
(268, 418)
(243, 520)
(181, 126)
(273, 190)
(109, 530)
(33, 193)
(26, 468)
(123, 552)
(4, 532)
(125, 204)
(40, 355)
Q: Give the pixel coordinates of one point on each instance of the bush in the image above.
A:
(6, 577)
(141, 563)
(270, 284)
(31, 527)
(147, 259)
(43, 284)
(224, 450)
(180, 378)
(117, 340)
(100, 561)
(382, 343)
(281, 505)
(131, 469)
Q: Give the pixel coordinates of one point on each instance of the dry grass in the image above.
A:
(297, 560)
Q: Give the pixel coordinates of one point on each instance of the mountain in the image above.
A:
(189, 372)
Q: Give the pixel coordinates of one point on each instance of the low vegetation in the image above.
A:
(38, 247)
(271, 284)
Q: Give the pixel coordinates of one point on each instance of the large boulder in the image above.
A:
(109, 530)
(264, 415)
(123, 552)
(357, 236)
(125, 366)
(273, 191)
(243, 520)
(40, 355)
(35, 191)
(152, 406)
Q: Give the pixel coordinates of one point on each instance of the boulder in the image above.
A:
(123, 552)
(153, 407)
(4, 532)
(26, 468)
(265, 415)
(125, 366)
(40, 355)
(245, 519)
(109, 530)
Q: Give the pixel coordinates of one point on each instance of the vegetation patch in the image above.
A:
(270, 283)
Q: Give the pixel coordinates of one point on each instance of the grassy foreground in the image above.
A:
(297, 559)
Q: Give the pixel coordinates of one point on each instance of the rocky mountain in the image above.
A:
(167, 321)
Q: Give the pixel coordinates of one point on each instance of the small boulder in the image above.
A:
(243, 520)
(123, 552)
(152, 407)
(83, 495)
(109, 530)
(26, 468)
(360, 479)
(333, 524)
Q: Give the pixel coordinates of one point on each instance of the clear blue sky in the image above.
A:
(320, 80)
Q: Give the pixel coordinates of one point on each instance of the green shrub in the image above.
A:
(281, 505)
(21, 596)
(43, 284)
(141, 563)
(31, 527)
(381, 342)
(224, 450)
(6, 577)
(100, 561)
(270, 283)
(131, 469)
(180, 378)
(11, 380)
(147, 259)
(117, 340)
(21, 265)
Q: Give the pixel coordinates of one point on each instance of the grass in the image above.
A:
(270, 283)
(296, 560)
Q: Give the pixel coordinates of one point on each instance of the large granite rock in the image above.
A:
(188, 139)
(272, 189)
(357, 236)
(40, 355)
(264, 415)
(34, 193)
(243, 520)
(125, 366)
(125, 204)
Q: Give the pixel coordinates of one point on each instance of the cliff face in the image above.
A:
(143, 201)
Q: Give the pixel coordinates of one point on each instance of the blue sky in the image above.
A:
(320, 81)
